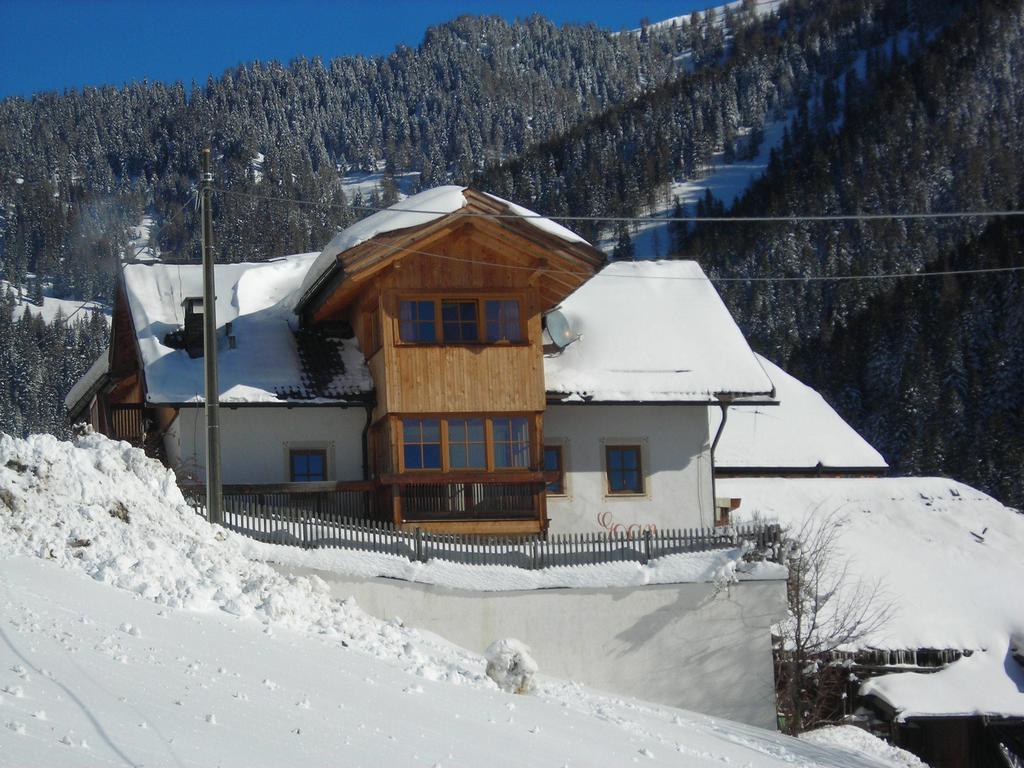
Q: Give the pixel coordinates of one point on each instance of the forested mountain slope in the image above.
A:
(927, 369)
(76, 169)
(891, 105)
(930, 370)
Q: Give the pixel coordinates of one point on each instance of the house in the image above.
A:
(800, 436)
(455, 363)
(969, 714)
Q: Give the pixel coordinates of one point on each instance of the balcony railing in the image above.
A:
(468, 501)
(434, 497)
(128, 422)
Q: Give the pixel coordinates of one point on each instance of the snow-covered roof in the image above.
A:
(415, 211)
(256, 298)
(947, 557)
(986, 683)
(652, 331)
(801, 432)
(86, 386)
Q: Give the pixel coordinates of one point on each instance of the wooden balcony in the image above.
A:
(472, 502)
(128, 422)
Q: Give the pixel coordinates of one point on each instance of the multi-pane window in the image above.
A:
(459, 320)
(511, 442)
(623, 468)
(554, 469)
(467, 444)
(501, 318)
(416, 321)
(421, 443)
(307, 465)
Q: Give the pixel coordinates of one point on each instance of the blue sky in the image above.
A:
(50, 45)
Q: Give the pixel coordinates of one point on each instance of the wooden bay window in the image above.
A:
(459, 443)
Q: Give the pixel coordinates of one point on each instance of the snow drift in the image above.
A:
(104, 508)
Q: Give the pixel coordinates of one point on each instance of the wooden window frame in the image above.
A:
(481, 320)
(308, 451)
(618, 445)
(446, 467)
(442, 429)
(563, 489)
(447, 442)
(416, 322)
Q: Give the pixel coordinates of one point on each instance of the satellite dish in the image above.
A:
(559, 330)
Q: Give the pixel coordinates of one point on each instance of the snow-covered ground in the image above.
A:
(131, 632)
(367, 184)
(138, 246)
(726, 181)
(51, 306)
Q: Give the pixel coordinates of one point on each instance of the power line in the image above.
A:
(750, 279)
(786, 219)
(755, 279)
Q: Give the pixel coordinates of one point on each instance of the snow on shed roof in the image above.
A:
(86, 386)
(946, 556)
(415, 211)
(801, 432)
(264, 366)
(652, 331)
(988, 682)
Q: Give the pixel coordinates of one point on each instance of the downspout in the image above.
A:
(723, 403)
(366, 441)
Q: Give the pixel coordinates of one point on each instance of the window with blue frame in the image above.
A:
(421, 443)
(624, 469)
(307, 465)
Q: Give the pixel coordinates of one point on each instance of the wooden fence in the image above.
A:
(337, 523)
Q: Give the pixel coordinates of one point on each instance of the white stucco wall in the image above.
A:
(255, 442)
(676, 458)
(694, 646)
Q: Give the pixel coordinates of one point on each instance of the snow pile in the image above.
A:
(947, 556)
(801, 432)
(510, 666)
(632, 319)
(986, 683)
(105, 509)
(857, 741)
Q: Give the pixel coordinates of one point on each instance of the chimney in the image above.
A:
(194, 325)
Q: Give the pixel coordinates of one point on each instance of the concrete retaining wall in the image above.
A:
(686, 645)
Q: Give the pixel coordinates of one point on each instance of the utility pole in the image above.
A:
(214, 497)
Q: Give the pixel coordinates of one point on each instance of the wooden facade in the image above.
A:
(459, 262)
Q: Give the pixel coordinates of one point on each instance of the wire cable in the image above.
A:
(784, 219)
(394, 249)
